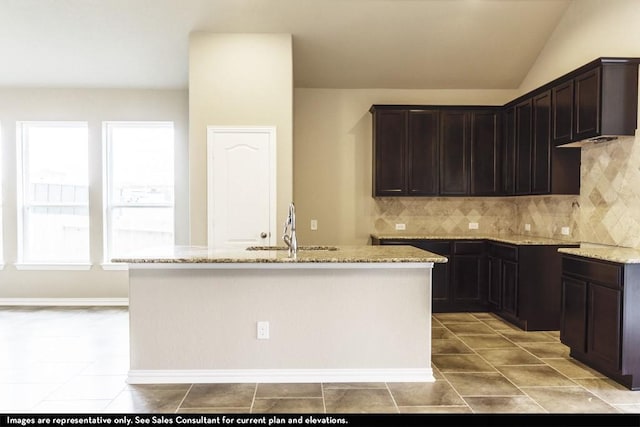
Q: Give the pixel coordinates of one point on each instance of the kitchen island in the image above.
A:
(331, 314)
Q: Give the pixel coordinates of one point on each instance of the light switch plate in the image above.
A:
(473, 226)
(401, 227)
(565, 231)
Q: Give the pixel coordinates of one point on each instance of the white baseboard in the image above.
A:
(188, 376)
(79, 302)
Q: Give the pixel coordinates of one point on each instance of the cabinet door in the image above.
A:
(389, 153)
(541, 149)
(454, 162)
(494, 295)
(468, 280)
(562, 113)
(509, 276)
(587, 104)
(523, 132)
(485, 153)
(573, 325)
(423, 153)
(509, 152)
(604, 320)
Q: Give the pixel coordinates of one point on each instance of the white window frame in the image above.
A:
(22, 206)
(107, 179)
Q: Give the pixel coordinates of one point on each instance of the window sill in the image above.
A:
(115, 266)
(25, 266)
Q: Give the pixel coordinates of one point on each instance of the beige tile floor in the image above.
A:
(75, 360)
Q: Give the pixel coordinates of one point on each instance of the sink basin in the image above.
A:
(284, 248)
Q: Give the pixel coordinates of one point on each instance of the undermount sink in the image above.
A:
(284, 248)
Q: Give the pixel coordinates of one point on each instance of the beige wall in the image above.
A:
(93, 106)
(589, 29)
(238, 80)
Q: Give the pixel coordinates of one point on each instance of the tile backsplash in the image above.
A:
(607, 211)
(610, 193)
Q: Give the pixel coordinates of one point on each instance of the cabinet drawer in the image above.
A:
(507, 252)
(468, 247)
(604, 273)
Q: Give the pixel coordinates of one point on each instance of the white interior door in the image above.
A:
(241, 186)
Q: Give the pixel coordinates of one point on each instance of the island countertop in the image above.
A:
(310, 254)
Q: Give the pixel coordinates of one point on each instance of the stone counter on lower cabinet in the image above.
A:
(613, 254)
(345, 314)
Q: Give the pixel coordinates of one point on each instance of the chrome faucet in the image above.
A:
(289, 233)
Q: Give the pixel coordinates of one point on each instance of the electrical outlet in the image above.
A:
(565, 231)
(473, 226)
(527, 227)
(263, 330)
(314, 224)
(401, 226)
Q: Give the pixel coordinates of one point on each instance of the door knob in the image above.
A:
(263, 235)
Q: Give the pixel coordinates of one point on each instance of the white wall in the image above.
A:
(238, 80)
(93, 106)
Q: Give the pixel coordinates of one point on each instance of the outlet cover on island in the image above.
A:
(401, 227)
(565, 231)
(314, 224)
(527, 227)
(473, 226)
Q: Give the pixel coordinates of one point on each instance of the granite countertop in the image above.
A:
(514, 239)
(613, 254)
(328, 254)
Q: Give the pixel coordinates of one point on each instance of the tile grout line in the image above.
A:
(183, 398)
(393, 399)
(253, 400)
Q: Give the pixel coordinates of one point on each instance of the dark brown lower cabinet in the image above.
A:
(524, 284)
(600, 316)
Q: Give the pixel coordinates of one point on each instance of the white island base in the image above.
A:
(328, 322)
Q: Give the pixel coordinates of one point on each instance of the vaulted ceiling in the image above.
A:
(415, 44)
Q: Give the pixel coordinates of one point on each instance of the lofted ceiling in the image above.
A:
(413, 44)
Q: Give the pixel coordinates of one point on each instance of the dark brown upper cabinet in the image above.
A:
(517, 149)
(405, 152)
(454, 153)
(485, 153)
(523, 134)
(470, 152)
(508, 154)
(389, 153)
(562, 113)
(596, 100)
(436, 151)
(423, 153)
(541, 146)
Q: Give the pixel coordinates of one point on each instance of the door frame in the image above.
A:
(271, 132)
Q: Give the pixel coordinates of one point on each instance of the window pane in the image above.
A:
(55, 172)
(135, 229)
(56, 156)
(142, 164)
(140, 176)
(56, 234)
